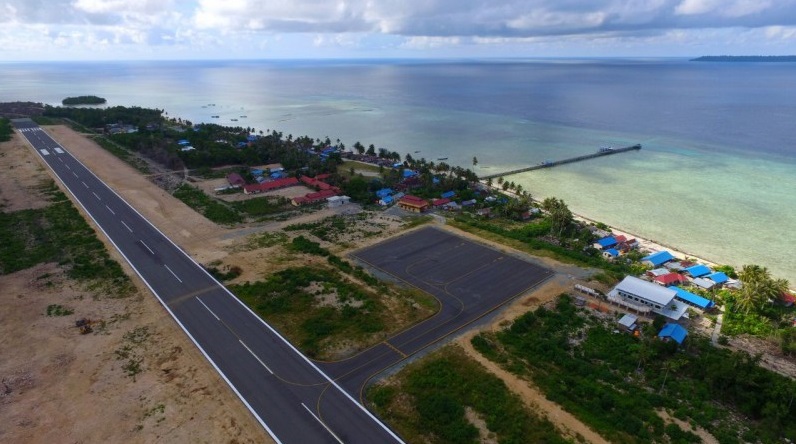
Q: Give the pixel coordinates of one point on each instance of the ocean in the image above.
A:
(716, 176)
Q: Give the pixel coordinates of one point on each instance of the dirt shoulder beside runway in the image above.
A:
(136, 377)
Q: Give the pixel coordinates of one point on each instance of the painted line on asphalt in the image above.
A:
(59, 150)
(127, 226)
(147, 247)
(321, 423)
(75, 174)
(67, 165)
(109, 209)
(208, 309)
(96, 195)
(61, 160)
(173, 273)
(84, 184)
(234, 298)
(255, 356)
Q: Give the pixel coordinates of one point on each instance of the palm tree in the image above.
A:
(758, 287)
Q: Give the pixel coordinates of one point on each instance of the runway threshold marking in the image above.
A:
(322, 423)
(44, 152)
(393, 348)
(109, 209)
(127, 226)
(208, 309)
(173, 273)
(59, 150)
(255, 356)
(147, 247)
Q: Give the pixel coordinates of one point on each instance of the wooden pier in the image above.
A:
(550, 164)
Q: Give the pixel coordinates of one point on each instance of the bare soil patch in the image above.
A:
(20, 175)
(61, 386)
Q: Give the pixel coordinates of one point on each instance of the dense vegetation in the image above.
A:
(84, 100)
(97, 117)
(288, 300)
(5, 129)
(617, 382)
(58, 233)
(430, 400)
(210, 208)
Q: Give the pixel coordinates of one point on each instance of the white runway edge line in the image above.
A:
(147, 247)
(246, 307)
(127, 226)
(321, 423)
(173, 273)
(255, 356)
(160, 299)
(208, 309)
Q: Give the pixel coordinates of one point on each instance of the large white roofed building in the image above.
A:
(635, 292)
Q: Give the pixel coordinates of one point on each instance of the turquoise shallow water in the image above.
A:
(715, 177)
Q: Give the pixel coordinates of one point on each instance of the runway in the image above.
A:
(293, 399)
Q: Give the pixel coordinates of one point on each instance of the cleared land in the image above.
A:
(136, 378)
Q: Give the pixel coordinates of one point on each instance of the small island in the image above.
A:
(727, 58)
(84, 100)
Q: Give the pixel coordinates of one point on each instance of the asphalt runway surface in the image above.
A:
(468, 279)
(287, 393)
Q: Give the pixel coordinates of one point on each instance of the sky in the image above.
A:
(43, 30)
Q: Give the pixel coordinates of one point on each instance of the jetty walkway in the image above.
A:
(550, 164)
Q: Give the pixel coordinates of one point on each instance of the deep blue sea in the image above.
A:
(716, 176)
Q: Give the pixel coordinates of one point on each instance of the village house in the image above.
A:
(657, 259)
(413, 204)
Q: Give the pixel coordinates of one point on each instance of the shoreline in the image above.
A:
(644, 243)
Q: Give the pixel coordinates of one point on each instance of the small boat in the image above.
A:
(243, 117)
(417, 151)
(215, 117)
(234, 120)
(442, 158)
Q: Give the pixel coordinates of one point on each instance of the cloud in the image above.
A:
(226, 26)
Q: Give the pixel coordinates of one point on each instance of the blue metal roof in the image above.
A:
(613, 252)
(692, 298)
(718, 277)
(448, 194)
(659, 258)
(607, 242)
(409, 173)
(384, 192)
(673, 331)
(698, 270)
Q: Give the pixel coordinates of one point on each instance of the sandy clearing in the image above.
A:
(71, 387)
(21, 175)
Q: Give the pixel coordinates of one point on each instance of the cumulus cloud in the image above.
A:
(414, 24)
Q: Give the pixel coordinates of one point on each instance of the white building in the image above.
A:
(337, 201)
(645, 296)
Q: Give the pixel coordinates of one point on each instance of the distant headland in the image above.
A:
(84, 100)
(726, 58)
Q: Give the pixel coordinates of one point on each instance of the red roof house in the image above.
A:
(670, 279)
(270, 186)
